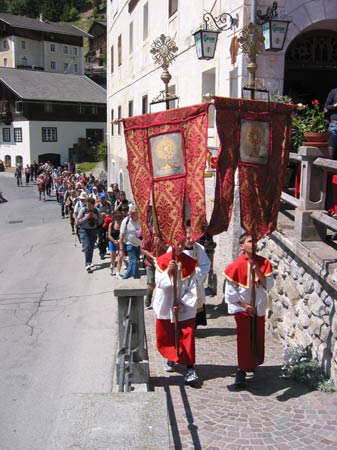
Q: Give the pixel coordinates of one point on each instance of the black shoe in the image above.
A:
(240, 379)
(170, 366)
(191, 377)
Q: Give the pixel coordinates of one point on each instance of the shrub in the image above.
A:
(102, 152)
(299, 365)
(70, 14)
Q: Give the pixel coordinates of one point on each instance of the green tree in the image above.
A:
(27, 8)
(70, 14)
(102, 151)
(3, 6)
(52, 10)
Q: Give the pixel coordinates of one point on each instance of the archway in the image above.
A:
(54, 158)
(8, 161)
(310, 66)
(18, 160)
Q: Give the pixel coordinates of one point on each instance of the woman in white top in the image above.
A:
(130, 241)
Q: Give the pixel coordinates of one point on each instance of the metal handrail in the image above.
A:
(126, 353)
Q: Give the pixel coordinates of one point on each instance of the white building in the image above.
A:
(39, 44)
(47, 116)
(305, 69)
(308, 56)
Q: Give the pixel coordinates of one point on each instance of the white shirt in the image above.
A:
(204, 264)
(128, 229)
(234, 293)
(164, 298)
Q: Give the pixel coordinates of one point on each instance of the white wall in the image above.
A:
(33, 52)
(138, 74)
(16, 148)
(60, 58)
(32, 146)
(68, 134)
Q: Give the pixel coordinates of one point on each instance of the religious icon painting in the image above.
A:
(167, 155)
(255, 141)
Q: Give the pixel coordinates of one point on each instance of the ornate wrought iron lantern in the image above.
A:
(274, 29)
(206, 37)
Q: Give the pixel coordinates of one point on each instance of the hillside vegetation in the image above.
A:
(55, 10)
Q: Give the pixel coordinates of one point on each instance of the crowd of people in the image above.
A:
(101, 216)
(30, 172)
(96, 214)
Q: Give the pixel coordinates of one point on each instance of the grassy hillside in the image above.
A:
(85, 21)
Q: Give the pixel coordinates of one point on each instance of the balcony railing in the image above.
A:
(311, 220)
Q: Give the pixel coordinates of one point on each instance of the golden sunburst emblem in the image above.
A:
(255, 139)
(166, 150)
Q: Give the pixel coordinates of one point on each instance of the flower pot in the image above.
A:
(316, 139)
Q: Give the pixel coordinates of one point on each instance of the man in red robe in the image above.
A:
(238, 296)
(183, 267)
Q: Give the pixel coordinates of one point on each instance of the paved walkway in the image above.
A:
(272, 413)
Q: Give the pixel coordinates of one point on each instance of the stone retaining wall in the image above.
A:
(302, 303)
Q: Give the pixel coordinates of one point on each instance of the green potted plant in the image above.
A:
(309, 126)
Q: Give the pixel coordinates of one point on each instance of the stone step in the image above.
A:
(115, 421)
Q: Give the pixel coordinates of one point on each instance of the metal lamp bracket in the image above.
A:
(223, 22)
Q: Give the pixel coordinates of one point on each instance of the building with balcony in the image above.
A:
(96, 56)
(49, 116)
(95, 66)
(39, 44)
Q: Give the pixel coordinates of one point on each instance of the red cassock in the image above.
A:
(249, 356)
(165, 334)
(165, 328)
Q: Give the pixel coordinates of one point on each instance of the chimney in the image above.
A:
(41, 17)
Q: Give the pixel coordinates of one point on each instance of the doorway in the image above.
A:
(311, 66)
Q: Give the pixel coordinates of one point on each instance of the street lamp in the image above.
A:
(206, 37)
(274, 29)
(254, 39)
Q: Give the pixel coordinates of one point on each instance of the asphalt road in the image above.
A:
(57, 322)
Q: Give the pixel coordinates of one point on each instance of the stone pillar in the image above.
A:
(312, 192)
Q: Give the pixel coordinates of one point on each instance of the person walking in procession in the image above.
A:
(18, 175)
(130, 241)
(88, 220)
(106, 210)
(238, 296)
(113, 236)
(28, 172)
(41, 187)
(197, 251)
(151, 249)
(177, 345)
